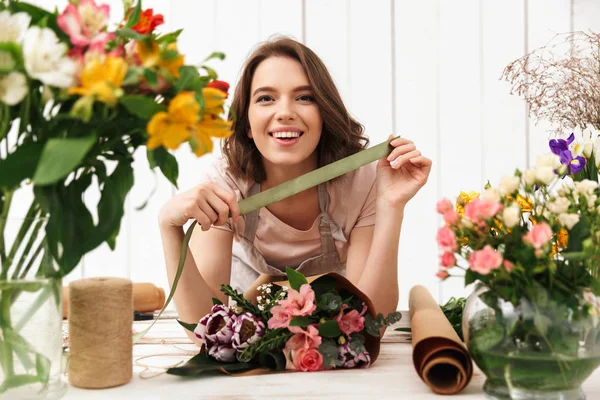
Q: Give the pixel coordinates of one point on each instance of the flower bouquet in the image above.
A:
(295, 325)
(533, 247)
(78, 99)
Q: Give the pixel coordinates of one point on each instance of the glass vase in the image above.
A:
(533, 348)
(31, 345)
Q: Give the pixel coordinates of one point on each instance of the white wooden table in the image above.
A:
(391, 377)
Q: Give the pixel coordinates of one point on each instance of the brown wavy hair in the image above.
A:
(341, 135)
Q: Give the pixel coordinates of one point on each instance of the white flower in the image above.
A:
(466, 223)
(544, 175)
(547, 160)
(13, 26)
(559, 205)
(511, 216)
(586, 187)
(45, 60)
(491, 195)
(13, 88)
(509, 184)
(529, 176)
(568, 220)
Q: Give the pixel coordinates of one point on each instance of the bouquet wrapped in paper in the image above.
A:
(304, 325)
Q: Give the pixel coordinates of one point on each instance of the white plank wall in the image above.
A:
(428, 70)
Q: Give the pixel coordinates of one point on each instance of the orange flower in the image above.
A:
(147, 22)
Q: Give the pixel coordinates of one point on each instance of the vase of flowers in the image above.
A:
(78, 98)
(531, 245)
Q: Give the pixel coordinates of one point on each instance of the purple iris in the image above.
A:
(560, 147)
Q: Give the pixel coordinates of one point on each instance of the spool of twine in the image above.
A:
(100, 322)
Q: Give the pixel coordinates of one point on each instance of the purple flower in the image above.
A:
(350, 359)
(574, 165)
(246, 330)
(222, 352)
(557, 146)
(216, 327)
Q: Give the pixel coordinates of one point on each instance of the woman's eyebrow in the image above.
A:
(272, 89)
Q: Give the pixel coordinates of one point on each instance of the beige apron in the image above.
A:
(249, 263)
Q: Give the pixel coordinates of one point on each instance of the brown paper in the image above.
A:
(147, 297)
(439, 356)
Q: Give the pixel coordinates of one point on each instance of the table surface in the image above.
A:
(391, 377)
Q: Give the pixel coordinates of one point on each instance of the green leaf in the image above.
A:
(167, 163)
(141, 106)
(329, 350)
(578, 234)
(202, 364)
(470, 277)
(295, 278)
(20, 165)
(216, 302)
(37, 15)
(169, 37)
(61, 157)
(274, 360)
(133, 76)
(216, 54)
(212, 74)
(188, 76)
(110, 207)
(134, 17)
(151, 78)
(168, 55)
(302, 322)
(188, 326)
(42, 367)
(331, 303)
(322, 285)
(126, 33)
(329, 329)
(14, 51)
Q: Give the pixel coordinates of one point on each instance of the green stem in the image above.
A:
(561, 364)
(35, 305)
(25, 226)
(7, 354)
(27, 249)
(3, 220)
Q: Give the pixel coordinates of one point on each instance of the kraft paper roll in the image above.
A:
(439, 356)
(100, 322)
(147, 297)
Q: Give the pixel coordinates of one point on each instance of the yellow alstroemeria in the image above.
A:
(209, 127)
(525, 203)
(149, 55)
(213, 101)
(102, 79)
(562, 240)
(172, 127)
(464, 199)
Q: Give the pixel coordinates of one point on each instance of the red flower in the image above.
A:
(221, 85)
(148, 21)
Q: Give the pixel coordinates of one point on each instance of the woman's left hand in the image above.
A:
(402, 173)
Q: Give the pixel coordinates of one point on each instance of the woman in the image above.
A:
(290, 120)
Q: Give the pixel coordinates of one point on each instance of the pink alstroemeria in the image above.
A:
(86, 25)
(352, 321)
(297, 304)
(303, 339)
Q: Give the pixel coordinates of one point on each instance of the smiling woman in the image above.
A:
(290, 120)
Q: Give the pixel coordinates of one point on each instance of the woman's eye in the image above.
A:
(264, 99)
(306, 97)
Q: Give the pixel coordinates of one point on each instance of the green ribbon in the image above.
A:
(281, 192)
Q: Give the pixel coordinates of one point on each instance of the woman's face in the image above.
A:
(285, 122)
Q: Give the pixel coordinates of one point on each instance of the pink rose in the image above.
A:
(443, 206)
(447, 260)
(446, 239)
(352, 321)
(308, 360)
(485, 260)
(508, 266)
(539, 235)
(479, 210)
(451, 217)
(442, 274)
(303, 339)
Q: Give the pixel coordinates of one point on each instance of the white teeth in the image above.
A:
(281, 135)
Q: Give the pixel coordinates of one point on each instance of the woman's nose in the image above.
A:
(285, 112)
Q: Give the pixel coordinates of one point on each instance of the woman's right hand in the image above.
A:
(207, 203)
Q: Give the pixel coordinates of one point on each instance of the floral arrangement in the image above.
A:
(78, 97)
(306, 327)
